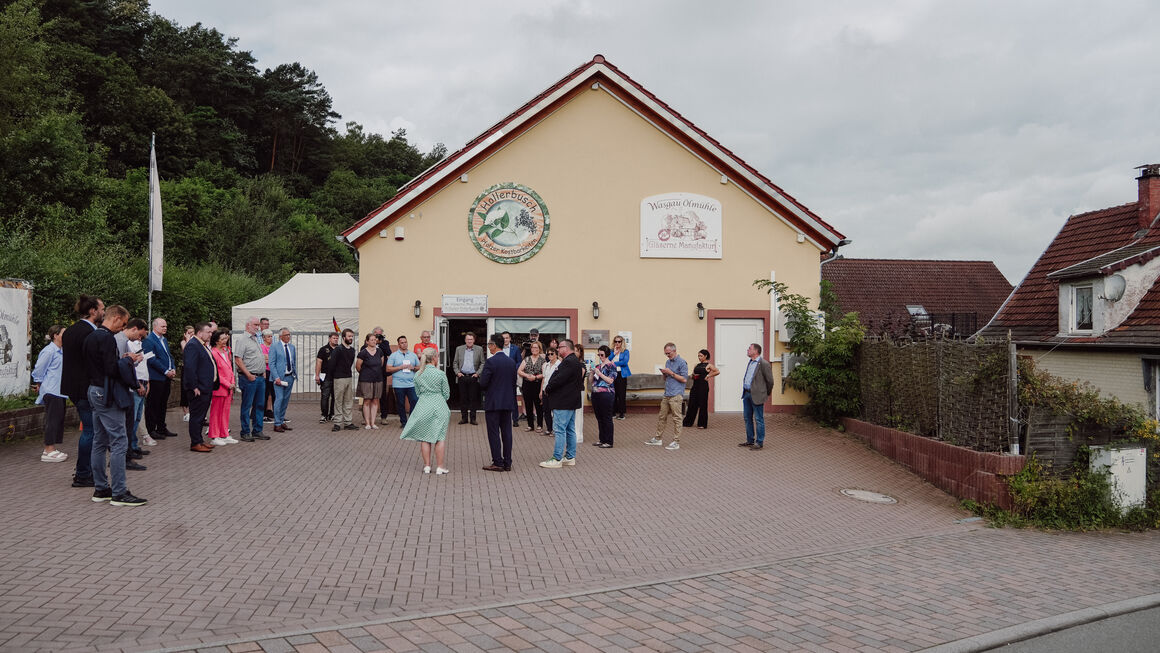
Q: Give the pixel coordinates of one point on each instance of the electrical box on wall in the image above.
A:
(1128, 473)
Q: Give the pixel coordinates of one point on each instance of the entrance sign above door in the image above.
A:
(508, 223)
(464, 304)
(680, 225)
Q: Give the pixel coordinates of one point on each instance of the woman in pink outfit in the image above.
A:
(219, 406)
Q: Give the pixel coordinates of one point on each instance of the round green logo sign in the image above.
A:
(508, 223)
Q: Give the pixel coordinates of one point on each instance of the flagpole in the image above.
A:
(152, 145)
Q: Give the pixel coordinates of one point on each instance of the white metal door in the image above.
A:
(729, 354)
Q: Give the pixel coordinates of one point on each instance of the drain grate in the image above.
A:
(866, 495)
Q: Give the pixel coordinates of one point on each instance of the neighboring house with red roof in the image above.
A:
(1089, 309)
(899, 297)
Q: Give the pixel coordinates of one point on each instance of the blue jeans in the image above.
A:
(84, 470)
(753, 414)
(253, 407)
(109, 442)
(564, 427)
(282, 401)
(400, 395)
(131, 425)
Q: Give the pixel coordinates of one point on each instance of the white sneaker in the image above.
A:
(440, 471)
(229, 439)
(657, 441)
(367, 427)
(673, 446)
(568, 462)
(57, 456)
(148, 441)
(427, 469)
(218, 442)
(551, 463)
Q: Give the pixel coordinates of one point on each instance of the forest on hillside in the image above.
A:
(256, 180)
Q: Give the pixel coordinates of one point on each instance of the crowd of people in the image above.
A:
(118, 372)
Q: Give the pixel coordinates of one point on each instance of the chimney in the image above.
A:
(1149, 203)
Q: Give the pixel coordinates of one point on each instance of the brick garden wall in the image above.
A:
(958, 471)
(28, 422)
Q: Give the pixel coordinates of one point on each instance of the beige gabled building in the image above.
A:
(594, 209)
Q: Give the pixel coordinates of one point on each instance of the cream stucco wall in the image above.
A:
(592, 162)
(1118, 375)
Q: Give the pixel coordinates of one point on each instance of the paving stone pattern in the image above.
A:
(321, 541)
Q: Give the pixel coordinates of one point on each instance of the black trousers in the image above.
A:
(602, 407)
(156, 403)
(54, 408)
(269, 412)
(468, 396)
(620, 389)
(547, 414)
(499, 436)
(697, 407)
(532, 406)
(327, 404)
(198, 409)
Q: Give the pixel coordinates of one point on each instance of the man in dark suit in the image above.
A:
(468, 363)
(110, 379)
(161, 373)
(74, 380)
(755, 386)
(199, 378)
(499, 379)
(564, 392)
(513, 352)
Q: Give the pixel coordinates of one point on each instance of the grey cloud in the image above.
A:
(921, 130)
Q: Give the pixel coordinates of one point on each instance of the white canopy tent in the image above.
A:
(306, 303)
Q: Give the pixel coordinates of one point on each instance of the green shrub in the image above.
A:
(827, 374)
(1081, 501)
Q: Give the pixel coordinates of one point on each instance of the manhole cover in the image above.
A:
(865, 495)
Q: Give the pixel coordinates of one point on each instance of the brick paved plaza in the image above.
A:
(321, 541)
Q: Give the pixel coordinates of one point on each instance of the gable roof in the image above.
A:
(1089, 244)
(599, 74)
(880, 290)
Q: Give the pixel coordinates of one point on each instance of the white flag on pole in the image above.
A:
(156, 233)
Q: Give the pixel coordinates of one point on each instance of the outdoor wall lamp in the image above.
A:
(595, 310)
(418, 307)
(700, 311)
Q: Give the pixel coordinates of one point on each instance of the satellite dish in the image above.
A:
(1114, 288)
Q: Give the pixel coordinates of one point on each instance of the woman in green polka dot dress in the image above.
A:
(428, 421)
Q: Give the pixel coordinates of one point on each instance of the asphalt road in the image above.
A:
(1127, 633)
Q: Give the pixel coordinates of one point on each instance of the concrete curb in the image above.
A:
(1039, 627)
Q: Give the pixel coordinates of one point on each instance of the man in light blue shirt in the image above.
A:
(402, 365)
(676, 373)
(755, 389)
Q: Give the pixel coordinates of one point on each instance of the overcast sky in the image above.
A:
(935, 130)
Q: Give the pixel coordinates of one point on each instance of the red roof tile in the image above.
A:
(879, 290)
(1032, 312)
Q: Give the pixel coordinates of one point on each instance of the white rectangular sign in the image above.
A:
(465, 304)
(680, 225)
(15, 369)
